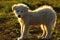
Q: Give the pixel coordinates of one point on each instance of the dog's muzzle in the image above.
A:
(19, 16)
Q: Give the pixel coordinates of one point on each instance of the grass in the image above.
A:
(9, 26)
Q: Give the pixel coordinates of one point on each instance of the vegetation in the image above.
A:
(9, 26)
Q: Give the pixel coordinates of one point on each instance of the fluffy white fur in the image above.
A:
(44, 16)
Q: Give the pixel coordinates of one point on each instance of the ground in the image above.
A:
(10, 30)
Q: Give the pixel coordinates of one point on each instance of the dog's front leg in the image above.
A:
(22, 28)
(24, 31)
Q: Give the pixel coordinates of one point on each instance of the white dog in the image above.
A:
(44, 16)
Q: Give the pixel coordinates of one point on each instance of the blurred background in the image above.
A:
(9, 26)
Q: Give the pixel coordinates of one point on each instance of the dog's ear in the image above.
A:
(26, 9)
(14, 7)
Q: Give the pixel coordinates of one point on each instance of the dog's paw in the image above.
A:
(22, 38)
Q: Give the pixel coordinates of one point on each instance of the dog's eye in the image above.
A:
(21, 11)
(17, 11)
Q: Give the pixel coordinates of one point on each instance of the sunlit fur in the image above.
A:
(44, 16)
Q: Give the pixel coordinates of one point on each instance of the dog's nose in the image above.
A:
(19, 16)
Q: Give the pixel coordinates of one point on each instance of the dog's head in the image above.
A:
(20, 9)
